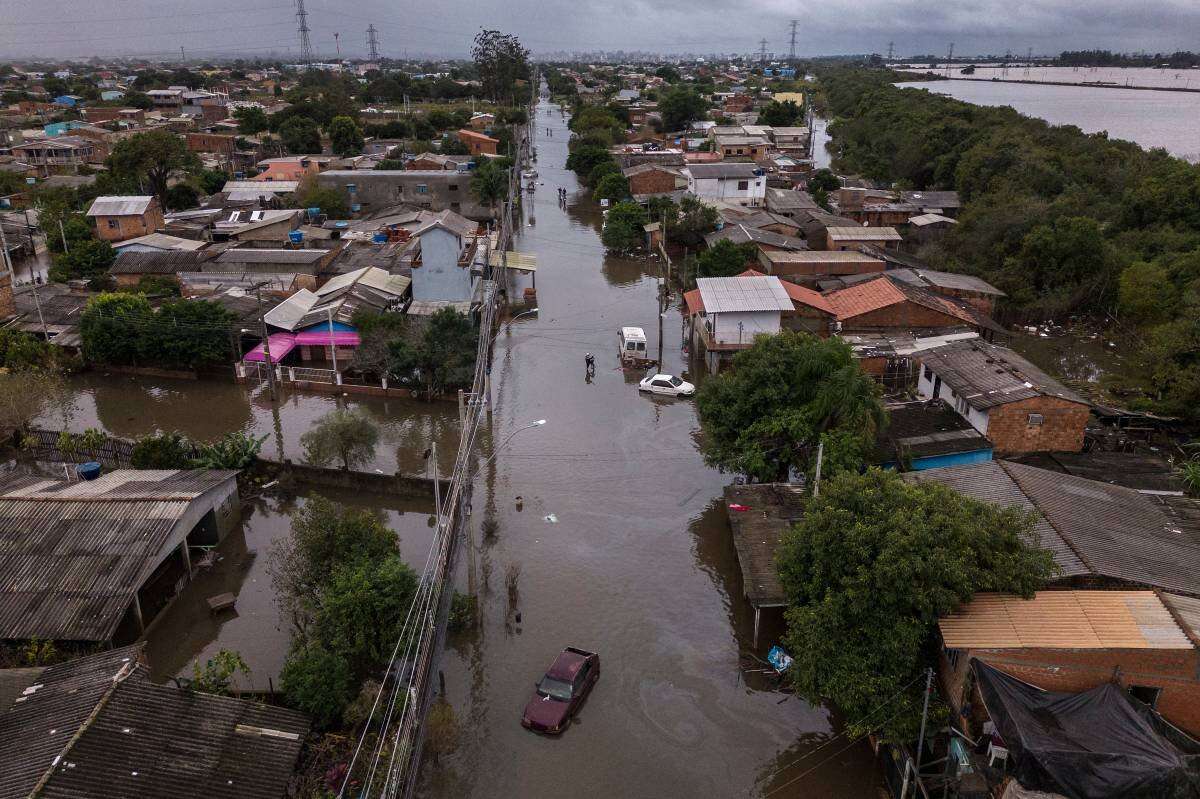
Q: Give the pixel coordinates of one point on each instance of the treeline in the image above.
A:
(1181, 59)
(1062, 221)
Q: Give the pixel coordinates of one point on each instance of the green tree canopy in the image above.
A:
(300, 135)
(869, 569)
(680, 106)
(124, 329)
(783, 396)
(345, 136)
(726, 259)
(331, 201)
(347, 437)
(251, 120)
(613, 186)
(489, 182)
(780, 115)
(624, 226)
(692, 223)
(88, 259)
(582, 160)
(502, 63)
(150, 159)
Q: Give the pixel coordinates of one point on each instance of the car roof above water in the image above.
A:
(566, 666)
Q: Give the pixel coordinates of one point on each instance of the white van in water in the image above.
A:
(631, 347)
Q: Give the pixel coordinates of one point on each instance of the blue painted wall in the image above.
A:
(953, 459)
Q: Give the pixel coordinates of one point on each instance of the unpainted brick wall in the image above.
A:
(1061, 430)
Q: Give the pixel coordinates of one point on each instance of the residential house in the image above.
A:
(944, 203)
(220, 143)
(309, 266)
(99, 726)
(481, 121)
(292, 168)
(850, 238)
(789, 203)
(118, 218)
(260, 194)
(922, 435)
(57, 155)
(1075, 640)
(1016, 405)
(443, 254)
(434, 161)
(478, 143)
(740, 184)
(268, 225)
(169, 100)
(811, 313)
(97, 561)
(808, 267)
(159, 242)
(791, 139)
(432, 190)
(654, 179)
(882, 303)
(726, 313)
(742, 148)
(970, 289)
(762, 239)
(926, 228)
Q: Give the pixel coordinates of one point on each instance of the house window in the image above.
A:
(743, 185)
(928, 373)
(113, 224)
(456, 207)
(1146, 694)
(739, 151)
(422, 188)
(453, 187)
(1035, 420)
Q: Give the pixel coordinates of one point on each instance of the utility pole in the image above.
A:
(762, 50)
(1028, 61)
(792, 40)
(372, 44)
(950, 59)
(182, 55)
(924, 716)
(306, 55)
(817, 478)
(337, 44)
(266, 345)
(62, 232)
(332, 343)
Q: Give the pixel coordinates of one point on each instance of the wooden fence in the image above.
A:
(45, 445)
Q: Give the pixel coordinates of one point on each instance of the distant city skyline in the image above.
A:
(74, 29)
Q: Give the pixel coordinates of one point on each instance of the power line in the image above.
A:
(372, 43)
(306, 56)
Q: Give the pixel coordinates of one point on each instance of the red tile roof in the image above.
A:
(797, 293)
(864, 297)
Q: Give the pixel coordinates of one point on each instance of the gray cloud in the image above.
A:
(75, 28)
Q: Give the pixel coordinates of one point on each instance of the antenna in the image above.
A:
(762, 50)
(792, 38)
(337, 44)
(891, 50)
(306, 55)
(372, 43)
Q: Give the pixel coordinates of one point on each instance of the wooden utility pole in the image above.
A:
(266, 345)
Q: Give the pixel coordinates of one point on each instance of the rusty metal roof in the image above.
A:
(1064, 620)
(773, 508)
(986, 375)
(73, 554)
(98, 727)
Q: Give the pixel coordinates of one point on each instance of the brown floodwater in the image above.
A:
(621, 546)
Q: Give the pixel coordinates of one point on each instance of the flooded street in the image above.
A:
(621, 546)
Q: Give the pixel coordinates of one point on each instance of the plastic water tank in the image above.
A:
(379, 238)
(295, 236)
(88, 471)
(314, 211)
(355, 208)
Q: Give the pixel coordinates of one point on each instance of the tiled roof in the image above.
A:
(1064, 620)
(865, 297)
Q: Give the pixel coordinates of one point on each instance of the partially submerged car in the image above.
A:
(561, 692)
(667, 385)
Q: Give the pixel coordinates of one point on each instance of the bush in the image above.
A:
(611, 187)
(123, 329)
(345, 436)
(726, 259)
(232, 451)
(318, 683)
(363, 609)
(162, 451)
(87, 260)
(624, 226)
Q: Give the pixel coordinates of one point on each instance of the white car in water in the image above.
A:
(667, 385)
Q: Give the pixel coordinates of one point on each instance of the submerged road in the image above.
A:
(621, 546)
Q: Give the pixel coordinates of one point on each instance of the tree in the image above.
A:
(211, 181)
(448, 348)
(87, 260)
(613, 186)
(251, 120)
(680, 106)
(602, 170)
(1146, 293)
(362, 610)
(668, 73)
(345, 436)
(150, 159)
(784, 395)
(318, 683)
(726, 259)
(124, 329)
(300, 135)
(583, 160)
(824, 179)
(331, 201)
(501, 62)
(442, 729)
(868, 570)
(345, 136)
(219, 673)
(489, 183)
(692, 223)
(624, 226)
(181, 197)
(779, 115)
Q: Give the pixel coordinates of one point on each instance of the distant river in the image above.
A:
(1149, 118)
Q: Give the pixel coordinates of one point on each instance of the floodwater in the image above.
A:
(621, 546)
(1147, 118)
(1113, 76)
(188, 631)
(130, 406)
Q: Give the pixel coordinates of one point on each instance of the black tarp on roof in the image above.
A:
(1091, 745)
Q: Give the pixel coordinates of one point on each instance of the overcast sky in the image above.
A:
(82, 28)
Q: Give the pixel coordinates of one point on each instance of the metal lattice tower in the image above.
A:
(891, 50)
(372, 43)
(792, 40)
(762, 50)
(950, 59)
(306, 55)
(1028, 60)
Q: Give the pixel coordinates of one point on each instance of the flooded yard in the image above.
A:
(1098, 365)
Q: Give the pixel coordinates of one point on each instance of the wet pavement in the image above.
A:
(621, 546)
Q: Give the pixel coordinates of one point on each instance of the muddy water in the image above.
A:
(188, 631)
(621, 546)
(204, 410)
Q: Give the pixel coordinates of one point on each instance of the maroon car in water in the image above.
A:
(561, 692)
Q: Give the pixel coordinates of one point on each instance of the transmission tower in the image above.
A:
(891, 50)
(1007, 59)
(1028, 60)
(762, 50)
(372, 43)
(306, 55)
(950, 58)
(792, 40)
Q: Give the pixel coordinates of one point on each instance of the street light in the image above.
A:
(504, 443)
(508, 327)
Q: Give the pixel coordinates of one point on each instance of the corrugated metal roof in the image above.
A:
(248, 255)
(1064, 620)
(1187, 612)
(120, 206)
(158, 262)
(73, 554)
(797, 294)
(863, 234)
(743, 294)
(723, 170)
(98, 727)
(987, 375)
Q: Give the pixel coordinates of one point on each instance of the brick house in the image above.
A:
(482, 121)
(653, 179)
(879, 303)
(1016, 405)
(118, 218)
(478, 143)
(806, 266)
(221, 143)
(850, 238)
(1076, 640)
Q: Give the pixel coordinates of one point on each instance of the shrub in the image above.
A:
(317, 682)
(162, 451)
